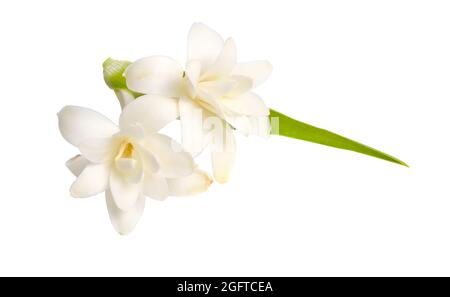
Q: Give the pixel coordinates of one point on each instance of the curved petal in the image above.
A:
(158, 75)
(97, 150)
(223, 153)
(77, 164)
(124, 193)
(218, 88)
(258, 71)
(193, 71)
(124, 221)
(198, 182)
(155, 187)
(243, 85)
(173, 161)
(224, 64)
(133, 131)
(77, 124)
(209, 102)
(153, 112)
(246, 104)
(149, 161)
(92, 180)
(131, 169)
(230, 87)
(191, 117)
(204, 44)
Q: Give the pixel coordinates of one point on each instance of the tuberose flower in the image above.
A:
(214, 94)
(131, 160)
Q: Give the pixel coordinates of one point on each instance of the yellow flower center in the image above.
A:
(126, 150)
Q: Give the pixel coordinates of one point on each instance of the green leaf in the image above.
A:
(295, 129)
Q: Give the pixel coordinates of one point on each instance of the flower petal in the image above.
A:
(204, 44)
(193, 71)
(258, 71)
(134, 131)
(198, 182)
(97, 150)
(77, 164)
(209, 102)
(77, 124)
(224, 64)
(124, 221)
(92, 180)
(218, 88)
(158, 75)
(173, 161)
(246, 104)
(191, 117)
(223, 153)
(149, 161)
(126, 165)
(125, 193)
(243, 85)
(155, 187)
(153, 112)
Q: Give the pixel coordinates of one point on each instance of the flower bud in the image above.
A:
(113, 71)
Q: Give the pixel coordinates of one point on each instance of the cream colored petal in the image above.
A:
(242, 85)
(131, 169)
(198, 182)
(172, 160)
(155, 187)
(124, 221)
(209, 102)
(126, 165)
(246, 104)
(191, 117)
(204, 44)
(153, 112)
(98, 150)
(124, 193)
(193, 71)
(133, 131)
(223, 153)
(258, 71)
(149, 161)
(77, 164)
(224, 64)
(158, 75)
(77, 124)
(92, 180)
(218, 88)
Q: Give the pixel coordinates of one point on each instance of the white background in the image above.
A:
(375, 71)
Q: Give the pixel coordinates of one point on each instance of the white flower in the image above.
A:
(131, 160)
(213, 83)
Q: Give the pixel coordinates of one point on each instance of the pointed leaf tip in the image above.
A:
(295, 129)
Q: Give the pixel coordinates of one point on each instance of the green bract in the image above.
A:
(113, 74)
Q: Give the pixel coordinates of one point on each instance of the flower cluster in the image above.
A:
(211, 96)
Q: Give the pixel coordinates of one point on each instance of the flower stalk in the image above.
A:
(113, 71)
